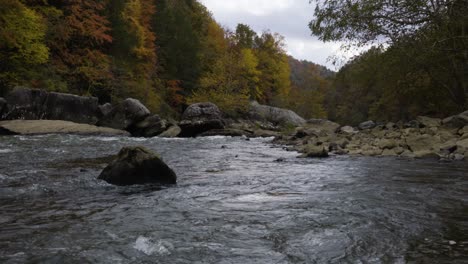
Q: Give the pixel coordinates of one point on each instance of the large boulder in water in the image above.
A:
(127, 113)
(137, 165)
(275, 115)
(199, 118)
(34, 104)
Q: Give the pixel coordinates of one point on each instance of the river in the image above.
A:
(236, 201)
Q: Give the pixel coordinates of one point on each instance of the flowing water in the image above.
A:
(236, 201)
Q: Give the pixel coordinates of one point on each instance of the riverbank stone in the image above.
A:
(171, 132)
(151, 126)
(125, 114)
(367, 125)
(137, 165)
(35, 104)
(275, 115)
(41, 127)
(199, 118)
(456, 121)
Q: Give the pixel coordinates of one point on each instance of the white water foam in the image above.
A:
(147, 246)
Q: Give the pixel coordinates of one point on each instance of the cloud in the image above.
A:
(289, 18)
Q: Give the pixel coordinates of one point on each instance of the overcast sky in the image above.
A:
(289, 18)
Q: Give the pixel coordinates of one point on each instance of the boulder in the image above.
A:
(425, 121)
(151, 126)
(321, 127)
(137, 165)
(171, 132)
(226, 132)
(348, 130)
(463, 131)
(391, 126)
(105, 109)
(412, 124)
(387, 144)
(199, 118)
(426, 154)
(3, 107)
(462, 145)
(265, 133)
(456, 121)
(127, 113)
(367, 125)
(389, 153)
(314, 151)
(420, 143)
(277, 116)
(34, 104)
(39, 127)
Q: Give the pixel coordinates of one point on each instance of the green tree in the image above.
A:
(437, 29)
(22, 42)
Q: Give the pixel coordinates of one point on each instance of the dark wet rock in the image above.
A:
(40, 127)
(137, 165)
(456, 121)
(3, 107)
(105, 109)
(367, 125)
(127, 113)
(34, 104)
(275, 115)
(151, 126)
(172, 132)
(226, 132)
(412, 124)
(199, 118)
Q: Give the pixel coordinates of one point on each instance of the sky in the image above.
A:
(290, 18)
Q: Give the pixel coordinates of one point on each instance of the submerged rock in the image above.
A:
(39, 127)
(199, 118)
(122, 116)
(137, 165)
(34, 104)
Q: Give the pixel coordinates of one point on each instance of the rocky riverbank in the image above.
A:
(424, 137)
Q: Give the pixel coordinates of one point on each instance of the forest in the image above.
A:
(166, 53)
(171, 53)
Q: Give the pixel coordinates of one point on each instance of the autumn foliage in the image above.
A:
(166, 53)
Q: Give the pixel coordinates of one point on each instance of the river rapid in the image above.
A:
(236, 201)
